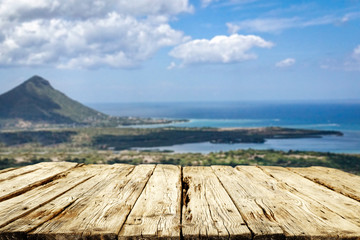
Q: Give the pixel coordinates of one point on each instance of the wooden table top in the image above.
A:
(71, 201)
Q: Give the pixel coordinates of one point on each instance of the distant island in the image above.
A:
(127, 138)
(36, 104)
(171, 136)
(116, 145)
(39, 123)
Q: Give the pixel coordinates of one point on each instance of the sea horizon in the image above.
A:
(341, 116)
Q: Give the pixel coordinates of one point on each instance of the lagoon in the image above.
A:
(340, 116)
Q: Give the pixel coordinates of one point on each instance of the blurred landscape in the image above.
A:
(183, 82)
(43, 124)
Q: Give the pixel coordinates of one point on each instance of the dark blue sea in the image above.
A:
(341, 116)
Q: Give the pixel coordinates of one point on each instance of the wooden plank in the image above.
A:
(16, 207)
(208, 212)
(156, 213)
(337, 180)
(22, 183)
(293, 211)
(17, 172)
(8, 174)
(6, 170)
(101, 215)
(20, 227)
(344, 206)
(247, 197)
(95, 202)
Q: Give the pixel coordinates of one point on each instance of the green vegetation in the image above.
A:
(35, 103)
(6, 162)
(346, 162)
(36, 100)
(38, 137)
(171, 136)
(86, 136)
(127, 138)
(113, 145)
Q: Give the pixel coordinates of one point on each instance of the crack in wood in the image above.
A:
(152, 172)
(209, 201)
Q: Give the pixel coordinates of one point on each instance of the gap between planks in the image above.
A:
(336, 180)
(27, 180)
(181, 193)
(101, 214)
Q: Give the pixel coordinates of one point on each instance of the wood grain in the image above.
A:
(208, 212)
(70, 201)
(25, 182)
(6, 170)
(297, 215)
(156, 213)
(337, 180)
(247, 197)
(16, 207)
(20, 227)
(7, 174)
(343, 206)
(102, 214)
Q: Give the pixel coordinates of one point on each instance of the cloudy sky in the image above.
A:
(184, 50)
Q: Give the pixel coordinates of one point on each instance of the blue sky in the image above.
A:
(182, 50)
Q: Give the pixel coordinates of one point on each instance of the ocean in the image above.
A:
(341, 116)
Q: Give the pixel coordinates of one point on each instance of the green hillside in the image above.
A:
(36, 100)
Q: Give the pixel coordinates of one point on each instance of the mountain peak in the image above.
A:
(38, 81)
(37, 101)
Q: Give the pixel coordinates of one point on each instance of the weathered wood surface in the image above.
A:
(102, 213)
(244, 194)
(71, 201)
(157, 211)
(25, 180)
(297, 214)
(342, 182)
(93, 183)
(208, 211)
(346, 207)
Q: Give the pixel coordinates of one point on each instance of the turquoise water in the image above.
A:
(349, 143)
(233, 123)
(341, 116)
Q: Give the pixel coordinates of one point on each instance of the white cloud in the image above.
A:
(171, 66)
(263, 25)
(80, 9)
(233, 28)
(206, 3)
(349, 63)
(275, 25)
(285, 63)
(86, 34)
(220, 49)
(349, 16)
(353, 63)
(356, 52)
